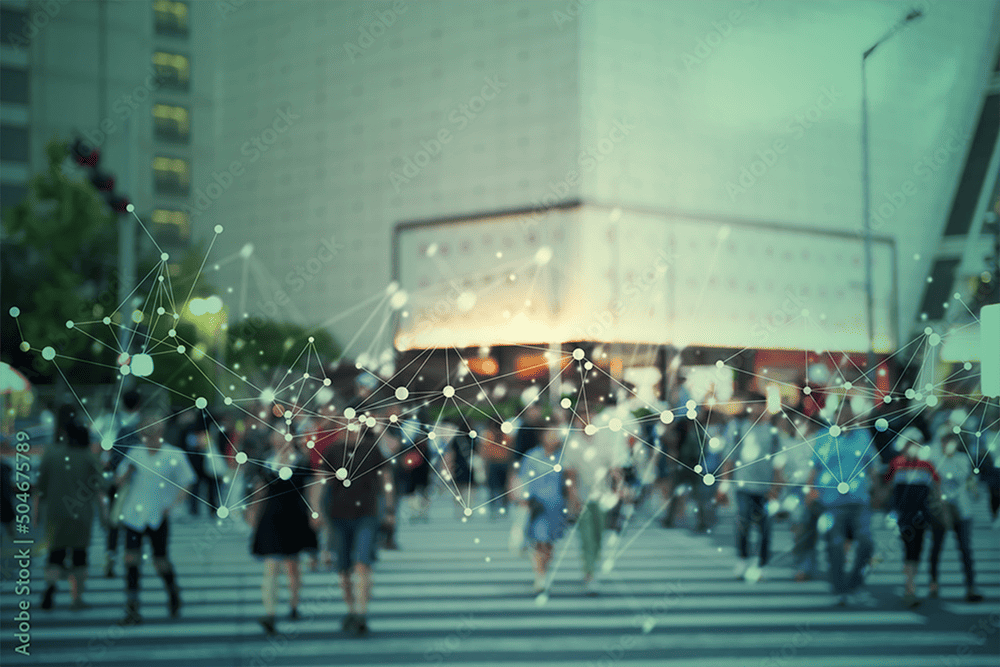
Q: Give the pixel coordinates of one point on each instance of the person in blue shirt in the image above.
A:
(841, 483)
(543, 488)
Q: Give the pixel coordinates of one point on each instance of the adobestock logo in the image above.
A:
(371, 30)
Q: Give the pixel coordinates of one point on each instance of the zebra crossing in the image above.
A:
(456, 595)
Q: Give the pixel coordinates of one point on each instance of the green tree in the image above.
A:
(57, 257)
(262, 345)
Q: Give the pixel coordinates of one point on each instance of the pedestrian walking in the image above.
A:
(544, 495)
(915, 493)
(157, 474)
(954, 467)
(749, 465)
(841, 483)
(125, 437)
(70, 482)
(355, 475)
(594, 466)
(281, 519)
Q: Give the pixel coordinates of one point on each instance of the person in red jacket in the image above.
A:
(914, 486)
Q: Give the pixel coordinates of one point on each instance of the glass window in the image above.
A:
(171, 176)
(13, 85)
(174, 70)
(171, 224)
(172, 123)
(14, 143)
(12, 22)
(171, 17)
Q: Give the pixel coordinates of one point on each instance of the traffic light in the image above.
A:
(90, 158)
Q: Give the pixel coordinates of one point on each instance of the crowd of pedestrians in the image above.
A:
(333, 485)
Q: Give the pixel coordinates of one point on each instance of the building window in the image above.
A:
(173, 70)
(13, 143)
(13, 85)
(172, 225)
(12, 24)
(171, 17)
(172, 123)
(171, 176)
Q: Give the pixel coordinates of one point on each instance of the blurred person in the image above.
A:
(594, 467)
(494, 449)
(205, 490)
(70, 481)
(796, 464)
(544, 495)
(712, 446)
(689, 435)
(157, 475)
(955, 470)
(749, 465)
(915, 492)
(355, 474)
(414, 462)
(125, 437)
(458, 464)
(841, 482)
(281, 519)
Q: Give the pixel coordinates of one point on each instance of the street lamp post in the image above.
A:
(866, 189)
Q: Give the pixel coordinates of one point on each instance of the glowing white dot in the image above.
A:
(698, 468)
(468, 511)
(288, 437)
(285, 472)
(909, 393)
(578, 354)
(881, 424)
(370, 422)
(848, 385)
(692, 415)
(835, 430)
(107, 444)
(201, 403)
(223, 512)
(557, 468)
(543, 256)
(719, 363)
(507, 427)
(69, 324)
(227, 400)
(241, 457)
(565, 403)
(48, 353)
(181, 349)
(956, 430)
(807, 390)
(107, 320)
(615, 424)
(590, 429)
(341, 473)
(666, 416)
(691, 405)
(14, 311)
(931, 401)
(588, 366)
(393, 418)
(125, 370)
(402, 393)
(843, 487)
(350, 413)
(465, 301)
(887, 399)
(967, 366)
(326, 382)
(448, 391)
(218, 229)
(709, 479)
(928, 331)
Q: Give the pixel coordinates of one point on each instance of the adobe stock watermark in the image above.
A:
(586, 162)
(569, 12)
(925, 168)
(124, 106)
(645, 619)
(227, 7)
(721, 29)
(37, 16)
(450, 644)
(460, 116)
(803, 637)
(770, 156)
(631, 288)
(297, 278)
(372, 29)
(976, 635)
(253, 148)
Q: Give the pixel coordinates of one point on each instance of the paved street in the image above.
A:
(455, 595)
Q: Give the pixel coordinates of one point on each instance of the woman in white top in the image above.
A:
(955, 468)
